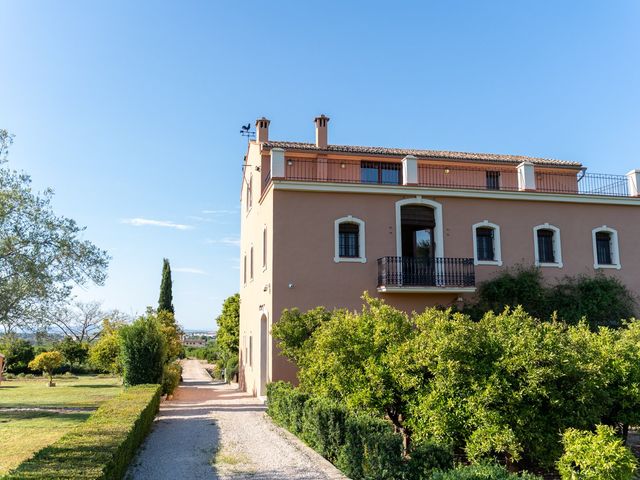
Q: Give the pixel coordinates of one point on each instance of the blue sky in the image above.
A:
(131, 110)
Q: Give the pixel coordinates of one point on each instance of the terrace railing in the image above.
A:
(499, 177)
(426, 272)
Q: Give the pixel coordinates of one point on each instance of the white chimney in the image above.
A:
(321, 131)
(262, 130)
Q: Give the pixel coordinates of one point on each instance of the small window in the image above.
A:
(251, 263)
(484, 242)
(250, 350)
(244, 270)
(264, 247)
(605, 248)
(381, 172)
(250, 192)
(547, 246)
(349, 240)
(493, 180)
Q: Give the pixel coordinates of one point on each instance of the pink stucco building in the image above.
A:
(323, 223)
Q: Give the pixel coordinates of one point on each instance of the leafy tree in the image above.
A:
(171, 332)
(42, 255)
(165, 302)
(595, 456)
(228, 338)
(294, 330)
(104, 354)
(47, 362)
(18, 353)
(73, 351)
(143, 351)
(350, 359)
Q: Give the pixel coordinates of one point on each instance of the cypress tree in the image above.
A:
(165, 302)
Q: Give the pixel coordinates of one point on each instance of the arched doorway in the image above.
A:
(419, 241)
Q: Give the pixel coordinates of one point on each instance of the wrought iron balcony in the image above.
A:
(437, 273)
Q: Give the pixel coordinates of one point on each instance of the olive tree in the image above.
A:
(42, 254)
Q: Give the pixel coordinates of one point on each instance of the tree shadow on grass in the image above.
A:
(93, 386)
(8, 415)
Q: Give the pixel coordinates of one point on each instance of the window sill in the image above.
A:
(615, 266)
(349, 260)
(550, 265)
(497, 263)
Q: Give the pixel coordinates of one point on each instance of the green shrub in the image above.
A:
(285, 404)
(519, 286)
(171, 378)
(231, 368)
(371, 449)
(481, 472)
(100, 448)
(18, 353)
(363, 447)
(427, 456)
(143, 350)
(323, 427)
(595, 456)
(602, 300)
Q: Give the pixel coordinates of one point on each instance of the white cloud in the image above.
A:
(195, 271)
(230, 241)
(143, 222)
(221, 211)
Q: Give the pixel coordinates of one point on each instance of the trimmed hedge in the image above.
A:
(363, 447)
(100, 448)
(482, 472)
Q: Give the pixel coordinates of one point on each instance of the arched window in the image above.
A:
(349, 240)
(547, 246)
(486, 244)
(605, 247)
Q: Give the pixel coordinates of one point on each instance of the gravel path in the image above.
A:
(214, 431)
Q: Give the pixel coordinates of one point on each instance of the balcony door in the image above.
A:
(418, 245)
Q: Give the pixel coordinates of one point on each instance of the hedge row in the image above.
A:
(363, 447)
(100, 448)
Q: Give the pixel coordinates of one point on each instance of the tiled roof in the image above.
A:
(478, 157)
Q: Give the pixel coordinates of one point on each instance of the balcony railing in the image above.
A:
(498, 177)
(426, 272)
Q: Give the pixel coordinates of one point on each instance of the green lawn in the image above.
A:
(86, 391)
(23, 432)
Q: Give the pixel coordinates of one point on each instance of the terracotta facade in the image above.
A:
(290, 208)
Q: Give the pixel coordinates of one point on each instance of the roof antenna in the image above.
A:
(245, 131)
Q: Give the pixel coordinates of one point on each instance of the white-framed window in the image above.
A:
(244, 269)
(606, 253)
(251, 263)
(349, 239)
(264, 248)
(547, 246)
(250, 192)
(486, 243)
